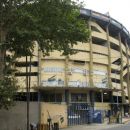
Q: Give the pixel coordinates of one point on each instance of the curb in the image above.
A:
(125, 122)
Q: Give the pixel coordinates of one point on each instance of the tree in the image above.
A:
(7, 91)
(8, 83)
(54, 24)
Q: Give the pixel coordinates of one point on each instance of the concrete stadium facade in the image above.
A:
(98, 74)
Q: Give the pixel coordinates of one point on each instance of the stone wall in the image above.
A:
(16, 117)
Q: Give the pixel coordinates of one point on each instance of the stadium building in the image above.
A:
(96, 78)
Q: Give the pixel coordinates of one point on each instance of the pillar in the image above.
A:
(109, 57)
(121, 69)
(91, 59)
(128, 71)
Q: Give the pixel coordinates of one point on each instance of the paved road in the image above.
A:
(122, 127)
(100, 127)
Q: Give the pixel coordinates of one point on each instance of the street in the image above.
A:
(122, 127)
(100, 127)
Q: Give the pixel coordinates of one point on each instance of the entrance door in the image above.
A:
(79, 113)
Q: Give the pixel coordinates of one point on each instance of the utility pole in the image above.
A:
(28, 85)
(27, 92)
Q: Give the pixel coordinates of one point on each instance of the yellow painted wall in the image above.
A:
(115, 76)
(97, 26)
(116, 93)
(55, 111)
(52, 63)
(54, 55)
(82, 46)
(22, 83)
(116, 67)
(100, 49)
(23, 69)
(71, 64)
(99, 35)
(114, 40)
(102, 106)
(80, 56)
(100, 67)
(97, 58)
(114, 55)
(116, 85)
(123, 47)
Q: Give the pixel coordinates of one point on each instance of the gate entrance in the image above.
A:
(79, 113)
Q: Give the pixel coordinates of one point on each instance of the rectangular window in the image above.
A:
(78, 97)
(52, 69)
(24, 64)
(27, 74)
(52, 97)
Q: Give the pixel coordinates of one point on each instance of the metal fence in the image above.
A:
(79, 113)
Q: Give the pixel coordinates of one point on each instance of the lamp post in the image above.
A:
(27, 89)
(28, 83)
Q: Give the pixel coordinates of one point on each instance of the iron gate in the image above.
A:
(79, 113)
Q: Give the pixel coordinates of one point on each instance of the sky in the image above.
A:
(118, 9)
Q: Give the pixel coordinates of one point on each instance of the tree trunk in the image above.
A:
(2, 52)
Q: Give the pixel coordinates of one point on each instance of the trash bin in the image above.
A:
(56, 126)
(97, 118)
(33, 126)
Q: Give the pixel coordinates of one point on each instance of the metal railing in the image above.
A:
(103, 17)
(52, 83)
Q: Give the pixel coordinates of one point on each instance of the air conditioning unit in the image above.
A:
(69, 72)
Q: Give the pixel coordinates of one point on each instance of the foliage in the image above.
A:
(53, 24)
(7, 91)
(8, 84)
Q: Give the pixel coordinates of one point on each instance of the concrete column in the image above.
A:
(121, 69)
(66, 70)
(128, 70)
(91, 59)
(67, 96)
(39, 85)
(109, 57)
(92, 98)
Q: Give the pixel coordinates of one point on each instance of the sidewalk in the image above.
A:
(92, 127)
(125, 120)
(97, 126)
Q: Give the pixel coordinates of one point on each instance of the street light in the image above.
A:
(28, 81)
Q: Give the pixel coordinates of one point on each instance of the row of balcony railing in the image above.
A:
(104, 17)
(73, 84)
(72, 70)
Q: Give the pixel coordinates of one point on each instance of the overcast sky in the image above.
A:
(118, 9)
